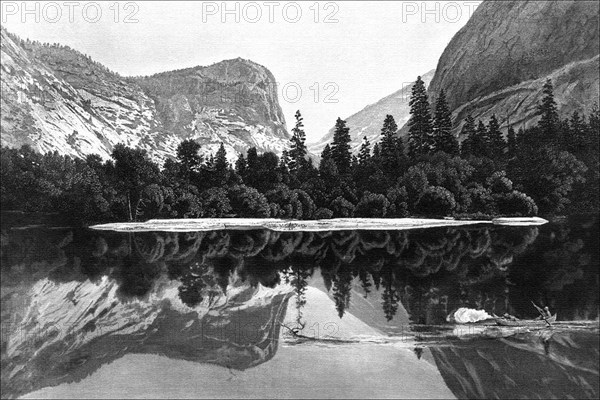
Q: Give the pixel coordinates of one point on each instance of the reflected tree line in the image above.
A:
(430, 272)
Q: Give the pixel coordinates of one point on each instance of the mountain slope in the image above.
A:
(368, 121)
(497, 63)
(42, 108)
(55, 98)
(234, 101)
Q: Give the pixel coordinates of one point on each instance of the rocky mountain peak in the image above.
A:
(56, 98)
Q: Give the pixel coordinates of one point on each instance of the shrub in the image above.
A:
(372, 205)
(499, 183)
(516, 204)
(152, 201)
(284, 202)
(480, 200)
(247, 202)
(398, 198)
(323, 213)
(308, 205)
(342, 208)
(436, 201)
(186, 205)
(415, 181)
(215, 203)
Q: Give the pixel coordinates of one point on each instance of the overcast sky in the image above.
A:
(365, 50)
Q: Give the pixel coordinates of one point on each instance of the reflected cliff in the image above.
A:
(73, 300)
(529, 365)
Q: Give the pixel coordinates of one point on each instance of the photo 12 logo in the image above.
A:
(436, 11)
(289, 92)
(71, 11)
(269, 11)
(292, 92)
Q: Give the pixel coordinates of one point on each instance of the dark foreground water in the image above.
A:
(331, 314)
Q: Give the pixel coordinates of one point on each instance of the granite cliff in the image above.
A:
(56, 98)
(498, 62)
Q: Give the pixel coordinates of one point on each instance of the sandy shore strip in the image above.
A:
(281, 225)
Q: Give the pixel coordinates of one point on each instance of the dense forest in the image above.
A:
(548, 169)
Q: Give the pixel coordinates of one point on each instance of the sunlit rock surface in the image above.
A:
(56, 99)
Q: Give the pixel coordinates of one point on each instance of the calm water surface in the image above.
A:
(257, 313)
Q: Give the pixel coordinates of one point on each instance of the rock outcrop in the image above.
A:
(55, 98)
(498, 62)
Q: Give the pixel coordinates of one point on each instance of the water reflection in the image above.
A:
(73, 300)
(564, 365)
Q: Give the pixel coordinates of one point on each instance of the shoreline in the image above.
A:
(282, 225)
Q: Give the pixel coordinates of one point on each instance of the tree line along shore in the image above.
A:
(547, 169)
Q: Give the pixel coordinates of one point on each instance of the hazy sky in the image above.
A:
(363, 50)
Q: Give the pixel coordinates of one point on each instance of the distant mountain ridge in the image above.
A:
(55, 98)
(368, 121)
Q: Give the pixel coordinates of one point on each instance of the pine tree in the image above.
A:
(210, 162)
(221, 163)
(252, 159)
(240, 166)
(299, 281)
(376, 153)
(354, 162)
(365, 282)
(442, 127)
(221, 167)
(511, 142)
(549, 112)
(284, 160)
(188, 156)
(496, 142)
(419, 126)
(326, 153)
(575, 138)
(342, 289)
(340, 147)
(389, 296)
(284, 170)
(365, 152)
(297, 153)
(325, 158)
(468, 132)
(392, 152)
(480, 141)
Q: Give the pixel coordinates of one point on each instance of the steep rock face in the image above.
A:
(576, 88)
(498, 61)
(368, 121)
(234, 101)
(55, 98)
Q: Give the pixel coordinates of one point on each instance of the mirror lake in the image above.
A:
(259, 313)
